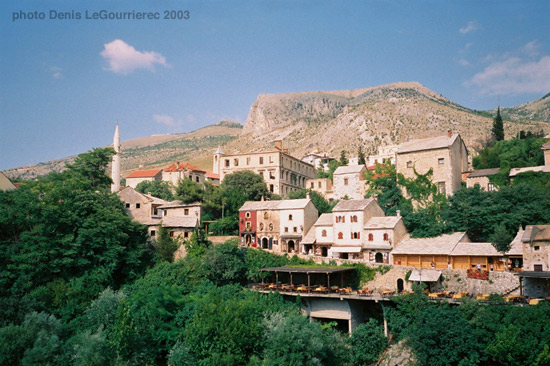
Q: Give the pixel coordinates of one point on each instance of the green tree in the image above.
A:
(502, 239)
(157, 188)
(343, 159)
(498, 127)
(189, 191)
(320, 202)
(382, 184)
(198, 244)
(361, 156)
(366, 343)
(165, 245)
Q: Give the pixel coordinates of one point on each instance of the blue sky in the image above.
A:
(66, 82)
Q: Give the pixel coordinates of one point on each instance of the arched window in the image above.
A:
(261, 225)
(247, 215)
(355, 235)
(324, 233)
(386, 237)
(354, 218)
(371, 237)
(266, 215)
(343, 218)
(340, 236)
(289, 217)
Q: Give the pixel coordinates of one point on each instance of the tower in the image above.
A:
(115, 174)
(217, 160)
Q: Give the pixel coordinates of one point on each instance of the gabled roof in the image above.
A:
(349, 169)
(325, 219)
(151, 173)
(536, 233)
(177, 204)
(5, 183)
(182, 166)
(310, 236)
(516, 244)
(383, 222)
(353, 205)
(431, 143)
(439, 245)
(131, 192)
(475, 250)
(212, 175)
(546, 146)
(483, 172)
(275, 205)
(540, 168)
(219, 150)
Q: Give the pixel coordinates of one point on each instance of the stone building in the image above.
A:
(276, 225)
(385, 154)
(138, 176)
(541, 168)
(381, 234)
(349, 182)
(141, 207)
(175, 172)
(282, 172)
(5, 183)
(321, 185)
(535, 277)
(318, 161)
(481, 178)
(447, 156)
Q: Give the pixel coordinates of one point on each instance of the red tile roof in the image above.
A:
(182, 166)
(144, 173)
(212, 175)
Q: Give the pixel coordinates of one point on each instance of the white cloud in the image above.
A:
(170, 121)
(531, 49)
(470, 27)
(514, 75)
(463, 62)
(123, 58)
(56, 72)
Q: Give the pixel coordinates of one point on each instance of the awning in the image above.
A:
(346, 249)
(424, 275)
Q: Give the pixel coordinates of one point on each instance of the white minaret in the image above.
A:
(115, 175)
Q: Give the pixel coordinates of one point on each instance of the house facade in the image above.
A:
(177, 171)
(138, 176)
(319, 161)
(322, 186)
(535, 277)
(282, 172)
(447, 156)
(380, 235)
(481, 179)
(349, 182)
(276, 225)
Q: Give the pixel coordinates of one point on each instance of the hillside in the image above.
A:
(326, 121)
(154, 151)
(381, 115)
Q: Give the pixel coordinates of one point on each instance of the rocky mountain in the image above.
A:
(371, 117)
(326, 122)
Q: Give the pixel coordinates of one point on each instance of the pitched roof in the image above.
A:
(176, 204)
(219, 150)
(439, 245)
(310, 236)
(540, 168)
(431, 143)
(182, 166)
(516, 245)
(151, 173)
(275, 205)
(352, 205)
(536, 233)
(349, 169)
(325, 219)
(131, 192)
(172, 221)
(546, 146)
(5, 183)
(212, 175)
(483, 172)
(383, 222)
(475, 249)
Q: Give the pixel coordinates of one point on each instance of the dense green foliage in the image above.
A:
(320, 202)
(497, 132)
(157, 188)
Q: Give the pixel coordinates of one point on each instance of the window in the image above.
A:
(409, 164)
(186, 211)
(355, 235)
(490, 187)
(354, 218)
(318, 185)
(138, 205)
(312, 185)
(286, 229)
(340, 236)
(197, 179)
(271, 188)
(171, 234)
(324, 233)
(441, 161)
(536, 247)
(441, 187)
(386, 237)
(261, 159)
(271, 175)
(289, 217)
(270, 159)
(248, 225)
(236, 162)
(266, 215)
(127, 205)
(227, 163)
(247, 215)
(371, 237)
(186, 234)
(248, 161)
(153, 233)
(270, 227)
(295, 229)
(261, 225)
(343, 218)
(345, 181)
(537, 267)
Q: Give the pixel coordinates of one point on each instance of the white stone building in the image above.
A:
(138, 176)
(349, 182)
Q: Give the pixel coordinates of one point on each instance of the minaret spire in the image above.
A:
(115, 174)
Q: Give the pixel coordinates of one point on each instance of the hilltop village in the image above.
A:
(357, 229)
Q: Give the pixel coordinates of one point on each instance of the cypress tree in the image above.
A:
(498, 127)
(361, 155)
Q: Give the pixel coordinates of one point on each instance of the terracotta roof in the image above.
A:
(212, 175)
(176, 204)
(546, 146)
(182, 166)
(440, 245)
(151, 173)
(352, 205)
(349, 169)
(431, 143)
(483, 172)
(383, 222)
(325, 219)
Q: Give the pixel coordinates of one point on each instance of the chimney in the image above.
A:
(398, 213)
(307, 196)
(262, 198)
(449, 133)
(279, 145)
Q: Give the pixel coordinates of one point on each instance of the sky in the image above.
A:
(68, 75)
